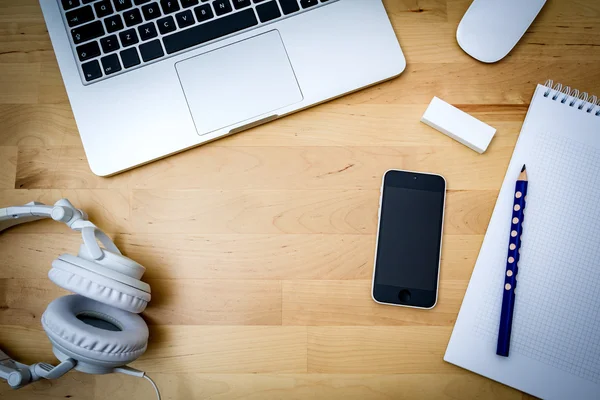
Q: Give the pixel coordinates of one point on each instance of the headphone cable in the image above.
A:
(140, 374)
(153, 385)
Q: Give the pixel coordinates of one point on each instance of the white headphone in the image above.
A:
(97, 330)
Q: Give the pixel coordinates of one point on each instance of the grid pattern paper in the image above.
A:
(557, 310)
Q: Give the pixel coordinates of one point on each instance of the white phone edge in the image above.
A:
(437, 288)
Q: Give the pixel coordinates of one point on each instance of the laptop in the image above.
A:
(147, 79)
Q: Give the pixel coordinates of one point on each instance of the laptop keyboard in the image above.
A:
(111, 37)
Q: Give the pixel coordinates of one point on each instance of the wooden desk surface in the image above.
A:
(259, 247)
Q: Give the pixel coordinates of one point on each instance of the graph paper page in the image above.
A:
(555, 342)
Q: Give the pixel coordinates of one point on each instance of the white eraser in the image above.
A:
(459, 125)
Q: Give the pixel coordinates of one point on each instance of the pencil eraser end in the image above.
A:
(459, 125)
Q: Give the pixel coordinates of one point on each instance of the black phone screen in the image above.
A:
(409, 242)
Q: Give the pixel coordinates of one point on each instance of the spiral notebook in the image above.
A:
(555, 343)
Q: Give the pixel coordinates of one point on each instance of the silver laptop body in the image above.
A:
(147, 79)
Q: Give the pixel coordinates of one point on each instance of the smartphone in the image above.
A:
(409, 239)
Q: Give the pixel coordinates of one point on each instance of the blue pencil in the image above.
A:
(512, 269)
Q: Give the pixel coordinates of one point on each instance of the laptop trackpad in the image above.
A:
(240, 82)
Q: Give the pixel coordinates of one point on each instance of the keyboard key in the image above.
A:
(222, 7)
(103, 8)
(91, 70)
(80, 16)
(185, 19)
(111, 64)
(113, 24)
(210, 30)
(203, 12)
(147, 31)
(128, 37)
(132, 17)
(121, 5)
(68, 4)
(130, 58)
(289, 6)
(151, 11)
(87, 1)
(238, 4)
(308, 3)
(140, 2)
(169, 6)
(88, 50)
(87, 32)
(109, 43)
(151, 50)
(166, 25)
(188, 3)
(268, 11)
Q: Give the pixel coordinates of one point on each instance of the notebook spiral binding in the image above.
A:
(583, 101)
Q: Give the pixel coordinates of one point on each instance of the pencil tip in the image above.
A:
(524, 168)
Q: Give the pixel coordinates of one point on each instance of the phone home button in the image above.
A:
(404, 296)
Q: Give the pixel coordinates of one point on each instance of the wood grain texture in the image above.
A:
(8, 166)
(192, 348)
(349, 303)
(266, 386)
(378, 349)
(256, 256)
(259, 247)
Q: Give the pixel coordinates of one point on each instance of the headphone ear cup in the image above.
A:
(98, 336)
(99, 283)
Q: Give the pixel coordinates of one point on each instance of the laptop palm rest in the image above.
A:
(241, 82)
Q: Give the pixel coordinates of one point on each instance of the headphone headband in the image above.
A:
(11, 216)
(62, 211)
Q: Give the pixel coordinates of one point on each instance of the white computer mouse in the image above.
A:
(491, 28)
